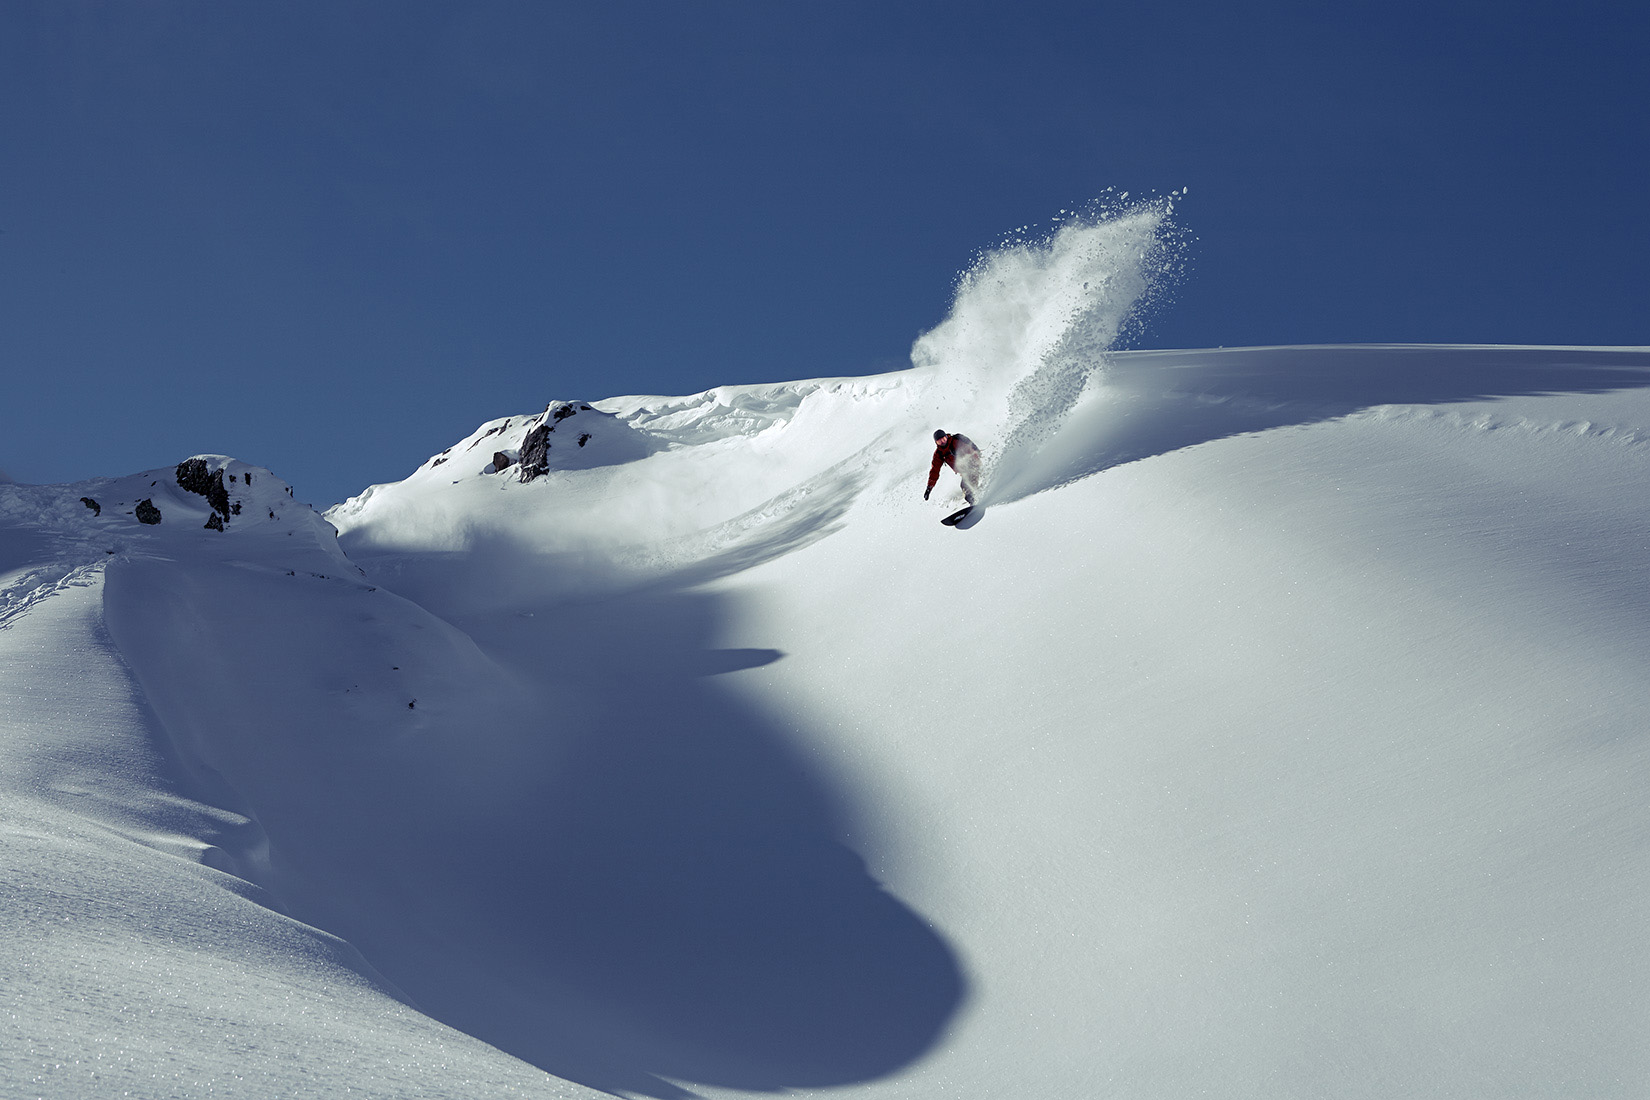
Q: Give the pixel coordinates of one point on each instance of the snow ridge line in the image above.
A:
(1615, 434)
(74, 556)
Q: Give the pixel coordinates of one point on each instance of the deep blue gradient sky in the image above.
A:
(333, 237)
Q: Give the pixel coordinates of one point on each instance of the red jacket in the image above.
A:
(946, 453)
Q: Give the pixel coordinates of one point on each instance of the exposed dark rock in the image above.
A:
(194, 478)
(235, 508)
(535, 458)
(583, 439)
(488, 432)
(535, 453)
(501, 462)
(97, 509)
(146, 512)
(214, 522)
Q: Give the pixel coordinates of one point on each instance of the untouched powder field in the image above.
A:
(1276, 727)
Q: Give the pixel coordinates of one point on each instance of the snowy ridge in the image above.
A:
(714, 469)
(701, 468)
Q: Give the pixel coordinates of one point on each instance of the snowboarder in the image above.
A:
(959, 453)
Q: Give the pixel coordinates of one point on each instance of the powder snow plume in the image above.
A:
(1031, 323)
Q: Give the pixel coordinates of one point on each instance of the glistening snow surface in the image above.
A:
(1277, 730)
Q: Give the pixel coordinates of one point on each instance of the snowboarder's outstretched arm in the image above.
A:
(934, 471)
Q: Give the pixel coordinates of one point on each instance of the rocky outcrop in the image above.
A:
(502, 462)
(194, 477)
(146, 512)
(97, 509)
(535, 449)
(535, 453)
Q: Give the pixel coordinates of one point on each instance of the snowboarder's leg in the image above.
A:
(968, 471)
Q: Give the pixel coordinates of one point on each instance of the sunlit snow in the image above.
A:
(1277, 730)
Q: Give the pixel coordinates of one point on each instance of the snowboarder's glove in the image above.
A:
(926, 491)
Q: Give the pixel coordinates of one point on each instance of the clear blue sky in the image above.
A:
(333, 237)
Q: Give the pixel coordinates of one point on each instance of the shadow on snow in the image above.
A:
(624, 874)
(674, 898)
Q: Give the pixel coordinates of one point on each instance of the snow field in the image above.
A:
(1259, 746)
(1299, 763)
(130, 965)
(1287, 757)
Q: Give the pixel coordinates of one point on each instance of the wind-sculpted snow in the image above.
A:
(143, 951)
(715, 469)
(1278, 731)
(1155, 402)
(726, 412)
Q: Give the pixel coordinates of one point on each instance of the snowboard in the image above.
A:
(956, 517)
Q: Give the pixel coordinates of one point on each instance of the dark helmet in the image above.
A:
(940, 433)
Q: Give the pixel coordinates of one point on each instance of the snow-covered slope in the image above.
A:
(144, 952)
(1281, 734)
(1276, 728)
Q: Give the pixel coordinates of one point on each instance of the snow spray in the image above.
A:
(1032, 320)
